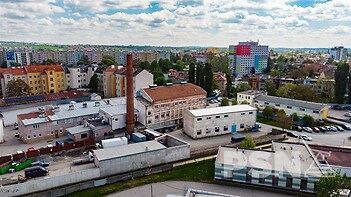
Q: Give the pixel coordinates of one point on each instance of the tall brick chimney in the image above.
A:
(130, 96)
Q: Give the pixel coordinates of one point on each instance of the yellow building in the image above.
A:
(45, 79)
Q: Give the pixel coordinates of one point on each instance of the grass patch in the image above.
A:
(202, 171)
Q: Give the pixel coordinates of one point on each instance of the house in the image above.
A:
(247, 97)
(115, 116)
(289, 166)
(9, 74)
(290, 106)
(207, 122)
(162, 107)
(109, 81)
(141, 79)
(221, 79)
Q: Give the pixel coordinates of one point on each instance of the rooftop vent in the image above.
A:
(56, 108)
(71, 107)
(97, 103)
(153, 86)
(108, 101)
(85, 105)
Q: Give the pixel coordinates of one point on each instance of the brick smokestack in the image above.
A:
(130, 96)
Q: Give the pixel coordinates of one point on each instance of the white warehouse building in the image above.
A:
(207, 122)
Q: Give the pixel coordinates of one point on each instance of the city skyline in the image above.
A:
(284, 23)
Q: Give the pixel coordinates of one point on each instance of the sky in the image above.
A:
(218, 23)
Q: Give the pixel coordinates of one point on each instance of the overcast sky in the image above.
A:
(277, 23)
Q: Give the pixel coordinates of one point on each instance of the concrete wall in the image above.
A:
(143, 80)
(48, 183)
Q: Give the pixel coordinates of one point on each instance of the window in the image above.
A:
(248, 177)
(199, 119)
(51, 79)
(149, 113)
(289, 107)
(216, 129)
(156, 117)
(250, 112)
(208, 131)
(28, 137)
(61, 130)
(84, 135)
(198, 132)
(149, 121)
(52, 85)
(225, 128)
(242, 114)
(39, 135)
(266, 103)
(208, 118)
(261, 178)
(226, 116)
(275, 180)
(34, 136)
(217, 116)
(316, 112)
(36, 126)
(302, 109)
(278, 105)
(289, 182)
(242, 126)
(52, 132)
(303, 184)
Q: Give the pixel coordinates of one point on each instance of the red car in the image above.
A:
(315, 129)
(31, 148)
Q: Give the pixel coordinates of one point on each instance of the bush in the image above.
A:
(248, 142)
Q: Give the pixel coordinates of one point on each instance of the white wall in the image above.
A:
(143, 80)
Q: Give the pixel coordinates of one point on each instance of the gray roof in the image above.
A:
(221, 110)
(78, 129)
(126, 150)
(291, 102)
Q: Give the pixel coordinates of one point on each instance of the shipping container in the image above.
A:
(114, 142)
(5, 169)
(23, 165)
(138, 137)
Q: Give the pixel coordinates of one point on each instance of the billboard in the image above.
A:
(10, 55)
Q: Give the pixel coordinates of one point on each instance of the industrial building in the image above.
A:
(290, 106)
(115, 116)
(207, 122)
(95, 130)
(247, 97)
(126, 158)
(288, 165)
(163, 107)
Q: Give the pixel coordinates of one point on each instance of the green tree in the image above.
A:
(229, 85)
(276, 73)
(271, 88)
(208, 79)
(160, 81)
(179, 66)
(220, 64)
(331, 184)
(294, 116)
(243, 87)
(145, 65)
(308, 120)
(234, 101)
(270, 64)
(84, 60)
(224, 102)
(287, 90)
(268, 112)
(305, 93)
(4, 64)
(248, 142)
(340, 76)
(108, 61)
(94, 83)
(192, 73)
(200, 75)
(284, 121)
(17, 88)
(154, 66)
(48, 62)
(165, 65)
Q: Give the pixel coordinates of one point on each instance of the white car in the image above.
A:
(347, 114)
(305, 137)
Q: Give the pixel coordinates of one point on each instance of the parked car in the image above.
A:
(315, 129)
(339, 128)
(69, 141)
(333, 128)
(292, 134)
(35, 171)
(322, 129)
(60, 142)
(345, 127)
(31, 148)
(299, 128)
(307, 129)
(40, 163)
(347, 114)
(305, 137)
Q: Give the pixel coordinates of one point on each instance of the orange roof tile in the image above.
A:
(111, 69)
(120, 71)
(173, 92)
(42, 68)
(13, 71)
(34, 115)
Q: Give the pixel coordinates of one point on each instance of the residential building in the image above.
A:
(199, 123)
(247, 55)
(289, 166)
(142, 155)
(100, 75)
(338, 53)
(79, 76)
(163, 107)
(9, 74)
(10, 58)
(109, 81)
(290, 106)
(141, 79)
(252, 79)
(45, 79)
(23, 58)
(52, 121)
(247, 97)
(221, 79)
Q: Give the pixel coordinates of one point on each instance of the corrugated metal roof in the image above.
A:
(115, 110)
(291, 102)
(78, 129)
(125, 150)
(221, 110)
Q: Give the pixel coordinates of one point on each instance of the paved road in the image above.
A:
(161, 189)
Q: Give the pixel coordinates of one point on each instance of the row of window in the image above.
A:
(209, 130)
(39, 135)
(224, 116)
(290, 107)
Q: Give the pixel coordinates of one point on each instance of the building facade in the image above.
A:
(141, 79)
(45, 79)
(9, 74)
(290, 106)
(338, 53)
(247, 55)
(109, 81)
(247, 97)
(289, 166)
(163, 107)
(207, 122)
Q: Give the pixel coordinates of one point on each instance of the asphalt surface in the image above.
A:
(161, 189)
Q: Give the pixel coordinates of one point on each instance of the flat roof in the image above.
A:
(115, 110)
(332, 155)
(126, 150)
(78, 129)
(221, 110)
(293, 158)
(292, 102)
